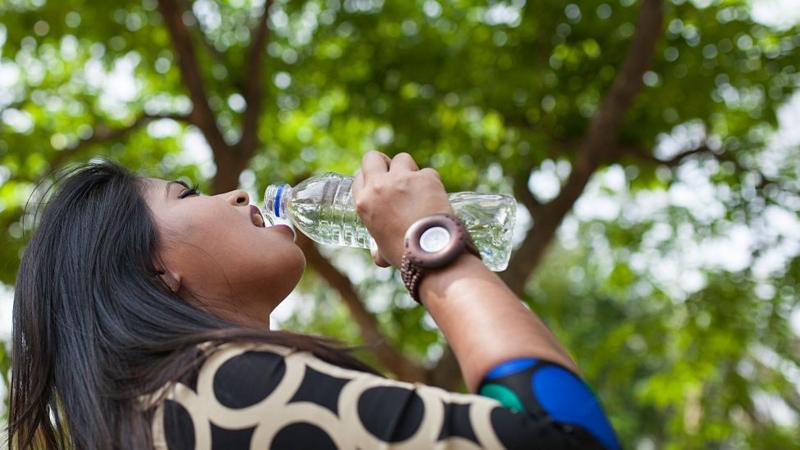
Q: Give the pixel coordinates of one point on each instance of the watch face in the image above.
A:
(434, 239)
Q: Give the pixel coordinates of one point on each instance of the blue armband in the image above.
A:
(539, 387)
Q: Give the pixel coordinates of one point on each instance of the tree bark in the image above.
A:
(202, 114)
(388, 356)
(230, 165)
(595, 149)
(232, 159)
(253, 91)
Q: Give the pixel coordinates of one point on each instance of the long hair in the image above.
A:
(95, 328)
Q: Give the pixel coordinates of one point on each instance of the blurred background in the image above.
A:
(653, 147)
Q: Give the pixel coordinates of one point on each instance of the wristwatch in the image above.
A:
(432, 242)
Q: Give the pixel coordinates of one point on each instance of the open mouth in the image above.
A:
(256, 217)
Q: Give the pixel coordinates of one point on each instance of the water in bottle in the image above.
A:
(323, 208)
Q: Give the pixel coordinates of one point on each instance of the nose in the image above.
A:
(238, 198)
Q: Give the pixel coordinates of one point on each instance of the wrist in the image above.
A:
(436, 282)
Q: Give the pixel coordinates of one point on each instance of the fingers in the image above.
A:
(428, 171)
(358, 182)
(378, 258)
(374, 164)
(403, 161)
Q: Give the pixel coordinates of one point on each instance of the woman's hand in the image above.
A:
(390, 195)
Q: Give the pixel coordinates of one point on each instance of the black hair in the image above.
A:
(94, 326)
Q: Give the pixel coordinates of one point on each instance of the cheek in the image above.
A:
(199, 245)
(213, 248)
(216, 232)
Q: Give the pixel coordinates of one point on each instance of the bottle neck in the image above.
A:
(275, 199)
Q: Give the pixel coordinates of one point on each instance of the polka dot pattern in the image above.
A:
(272, 397)
(261, 372)
(406, 416)
(302, 435)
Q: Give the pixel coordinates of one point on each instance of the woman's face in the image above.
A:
(216, 251)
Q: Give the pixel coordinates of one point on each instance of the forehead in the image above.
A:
(158, 184)
(157, 191)
(153, 186)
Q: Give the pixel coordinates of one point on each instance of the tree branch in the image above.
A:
(104, 134)
(524, 195)
(209, 46)
(447, 372)
(388, 356)
(202, 115)
(231, 163)
(19, 104)
(704, 149)
(605, 125)
(369, 329)
(674, 161)
(253, 91)
(595, 148)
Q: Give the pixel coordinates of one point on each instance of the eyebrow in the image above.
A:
(166, 188)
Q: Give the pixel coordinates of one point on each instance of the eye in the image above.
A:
(189, 192)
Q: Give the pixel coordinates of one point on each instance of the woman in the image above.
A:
(141, 320)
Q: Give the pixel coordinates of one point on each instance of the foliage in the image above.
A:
(684, 350)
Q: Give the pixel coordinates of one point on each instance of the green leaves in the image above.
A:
(681, 350)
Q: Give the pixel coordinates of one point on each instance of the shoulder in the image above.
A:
(270, 394)
(252, 392)
(241, 373)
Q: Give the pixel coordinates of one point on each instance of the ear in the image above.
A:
(170, 279)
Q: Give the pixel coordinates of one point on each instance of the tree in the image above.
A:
(492, 95)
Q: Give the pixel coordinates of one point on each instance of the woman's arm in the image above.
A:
(507, 353)
(480, 316)
(484, 321)
(504, 350)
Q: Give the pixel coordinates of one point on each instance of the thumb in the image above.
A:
(378, 258)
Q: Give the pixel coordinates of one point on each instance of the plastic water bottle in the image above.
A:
(323, 208)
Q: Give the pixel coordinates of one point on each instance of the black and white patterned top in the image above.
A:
(263, 396)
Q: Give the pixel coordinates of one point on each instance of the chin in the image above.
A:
(301, 258)
(302, 265)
